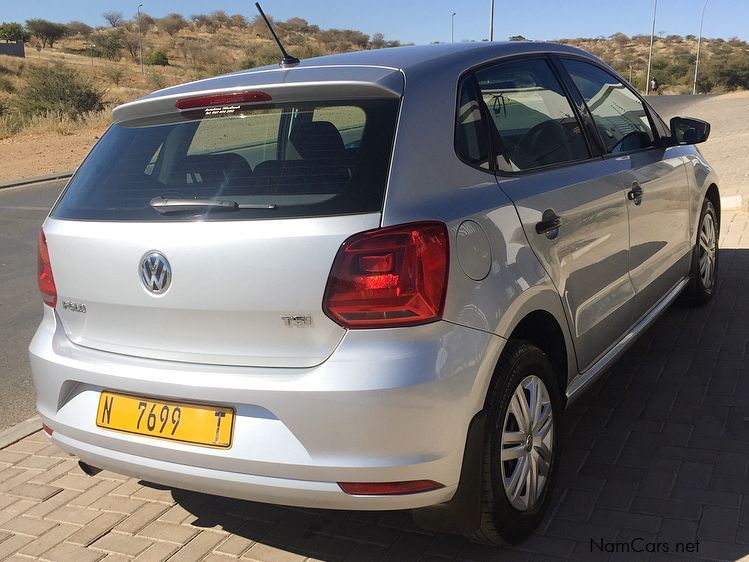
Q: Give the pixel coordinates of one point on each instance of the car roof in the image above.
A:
(386, 69)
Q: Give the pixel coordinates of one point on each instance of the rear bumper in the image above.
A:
(389, 405)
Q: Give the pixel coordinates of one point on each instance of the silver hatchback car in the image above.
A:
(369, 281)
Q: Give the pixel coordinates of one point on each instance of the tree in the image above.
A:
(79, 28)
(220, 19)
(172, 24)
(203, 21)
(110, 42)
(238, 21)
(378, 41)
(517, 38)
(131, 41)
(146, 21)
(113, 18)
(46, 31)
(14, 32)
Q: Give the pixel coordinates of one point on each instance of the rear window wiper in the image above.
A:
(165, 205)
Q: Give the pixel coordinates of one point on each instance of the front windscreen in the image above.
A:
(283, 160)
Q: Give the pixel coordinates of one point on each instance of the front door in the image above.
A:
(653, 176)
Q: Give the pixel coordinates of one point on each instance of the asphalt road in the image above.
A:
(22, 210)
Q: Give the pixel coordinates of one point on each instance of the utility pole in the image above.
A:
(491, 21)
(650, 56)
(452, 28)
(140, 41)
(699, 44)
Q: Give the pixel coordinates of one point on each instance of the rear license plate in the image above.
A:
(198, 424)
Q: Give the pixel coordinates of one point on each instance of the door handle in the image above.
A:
(635, 194)
(551, 222)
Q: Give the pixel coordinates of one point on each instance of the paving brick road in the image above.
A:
(658, 451)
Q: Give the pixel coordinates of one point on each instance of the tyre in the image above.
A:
(704, 270)
(521, 447)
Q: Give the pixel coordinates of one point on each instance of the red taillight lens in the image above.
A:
(48, 430)
(389, 488)
(44, 270)
(395, 276)
(214, 100)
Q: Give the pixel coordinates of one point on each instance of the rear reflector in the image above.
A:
(389, 488)
(389, 277)
(44, 272)
(48, 430)
(213, 100)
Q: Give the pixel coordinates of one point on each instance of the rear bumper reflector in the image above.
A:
(389, 488)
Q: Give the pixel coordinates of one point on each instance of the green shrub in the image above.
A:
(56, 89)
(156, 80)
(158, 58)
(115, 74)
(262, 56)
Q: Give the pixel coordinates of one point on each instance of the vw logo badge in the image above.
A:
(155, 273)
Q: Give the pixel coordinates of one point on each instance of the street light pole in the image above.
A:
(452, 28)
(650, 56)
(140, 40)
(699, 44)
(491, 21)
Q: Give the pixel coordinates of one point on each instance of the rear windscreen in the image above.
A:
(238, 162)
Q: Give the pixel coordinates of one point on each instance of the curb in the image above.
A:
(35, 179)
(19, 431)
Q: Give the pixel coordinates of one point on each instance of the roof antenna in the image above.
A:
(287, 59)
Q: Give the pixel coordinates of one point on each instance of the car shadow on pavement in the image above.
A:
(655, 457)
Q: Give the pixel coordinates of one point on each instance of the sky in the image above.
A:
(425, 21)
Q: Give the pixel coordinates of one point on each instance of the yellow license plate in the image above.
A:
(199, 424)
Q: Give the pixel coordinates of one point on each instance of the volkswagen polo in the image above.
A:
(368, 281)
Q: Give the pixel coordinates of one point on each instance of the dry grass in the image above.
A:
(53, 123)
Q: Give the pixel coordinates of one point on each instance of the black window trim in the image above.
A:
(462, 79)
(548, 58)
(658, 139)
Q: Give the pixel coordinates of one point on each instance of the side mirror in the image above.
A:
(689, 131)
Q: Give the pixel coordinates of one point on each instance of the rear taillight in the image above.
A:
(44, 270)
(395, 276)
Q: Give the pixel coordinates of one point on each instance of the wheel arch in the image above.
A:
(713, 195)
(542, 330)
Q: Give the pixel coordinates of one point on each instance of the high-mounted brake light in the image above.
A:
(389, 277)
(44, 272)
(389, 488)
(214, 100)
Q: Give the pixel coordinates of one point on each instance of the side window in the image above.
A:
(471, 135)
(618, 113)
(534, 121)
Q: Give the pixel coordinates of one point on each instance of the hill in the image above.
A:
(103, 64)
(724, 64)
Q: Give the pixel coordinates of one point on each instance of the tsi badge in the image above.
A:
(74, 306)
(297, 321)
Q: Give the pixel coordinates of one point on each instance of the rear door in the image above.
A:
(653, 175)
(208, 235)
(571, 205)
